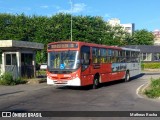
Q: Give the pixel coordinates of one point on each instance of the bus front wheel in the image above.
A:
(96, 83)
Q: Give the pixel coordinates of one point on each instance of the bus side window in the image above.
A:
(95, 55)
(103, 55)
(85, 57)
(128, 56)
(112, 55)
(109, 55)
(115, 56)
(122, 56)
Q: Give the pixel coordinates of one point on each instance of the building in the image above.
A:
(130, 27)
(149, 53)
(114, 21)
(18, 57)
(156, 33)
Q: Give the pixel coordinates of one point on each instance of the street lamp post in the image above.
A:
(71, 17)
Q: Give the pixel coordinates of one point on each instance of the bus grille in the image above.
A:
(61, 72)
(60, 82)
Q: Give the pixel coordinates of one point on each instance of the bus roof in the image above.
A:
(130, 49)
(96, 45)
(87, 44)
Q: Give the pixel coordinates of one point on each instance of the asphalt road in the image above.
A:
(114, 96)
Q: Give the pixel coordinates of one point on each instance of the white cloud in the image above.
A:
(64, 11)
(48, 6)
(107, 15)
(18, 10)
(44, 6)
(27, 8)
(76, 8)
(56, 7)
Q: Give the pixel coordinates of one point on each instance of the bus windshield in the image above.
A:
(63, 60)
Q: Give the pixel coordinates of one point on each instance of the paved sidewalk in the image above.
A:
(148, 75)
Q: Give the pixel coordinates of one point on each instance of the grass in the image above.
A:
(154, 89)
(41, 72)
(151, 65)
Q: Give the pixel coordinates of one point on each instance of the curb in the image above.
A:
(141, 89)
(140, 92)
(151, 70)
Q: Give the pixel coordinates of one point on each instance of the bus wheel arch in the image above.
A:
(127, 76)
(96, 81)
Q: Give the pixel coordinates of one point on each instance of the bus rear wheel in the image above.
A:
(127, 76)
(95, 83)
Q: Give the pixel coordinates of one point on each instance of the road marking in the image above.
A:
(137, 91)
(142, 89)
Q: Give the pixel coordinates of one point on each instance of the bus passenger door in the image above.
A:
(85, 65)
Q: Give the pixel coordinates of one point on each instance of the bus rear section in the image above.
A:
(133, 63)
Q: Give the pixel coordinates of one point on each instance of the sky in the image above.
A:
(143, 13)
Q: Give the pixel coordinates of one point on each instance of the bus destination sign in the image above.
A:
(62, 45)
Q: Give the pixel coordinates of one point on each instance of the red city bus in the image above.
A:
(81, 63)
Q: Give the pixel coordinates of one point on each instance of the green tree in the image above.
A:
(115, 35)
(142, 37)
(88, 29)
(45, 29)
(50, 29)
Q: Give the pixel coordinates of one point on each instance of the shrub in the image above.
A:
(155, 83)
(153, 93)
(154, 89)
(7, 79)
(20, 81)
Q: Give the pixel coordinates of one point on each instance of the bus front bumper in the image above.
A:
(73, 82)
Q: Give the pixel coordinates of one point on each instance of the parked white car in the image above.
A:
(43, 66)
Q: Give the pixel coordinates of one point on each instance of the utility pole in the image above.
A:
(71, 17)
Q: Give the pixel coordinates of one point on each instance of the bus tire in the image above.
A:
(127, 76)
(96, 82)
